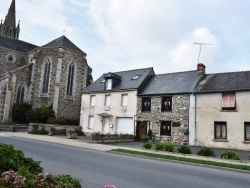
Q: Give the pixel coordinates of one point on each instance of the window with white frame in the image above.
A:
(107, 100)
(92, 100)
(91, 122)
(46, 75)
(220, 130)
(109, 84)
(20, 94)
(70, 79)
(124, 101)
(247, 131)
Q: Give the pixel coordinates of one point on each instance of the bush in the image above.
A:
(15, 160)
(184, 150)
(168, 146)
(64, 121)
(61, 132)
(150, 134)
(159, 145)
(13, 179)
(144, 138)
(41, 132)
(230, 154)
(19, 111)
(206, 152)
(148, 145)
(44, 113)
(31, 116)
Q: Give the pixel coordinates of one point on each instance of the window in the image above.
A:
(109, 84)
(20, 94)
(166, 104)
(124, 100)
(220, 130)
(228, 101)
(146, 104)
(10, 32)
(136, 77)
(91, 122)
(107, 100)
(165, 128)
(92, 100)
(46, 76)
(247, 131)
(70, 79)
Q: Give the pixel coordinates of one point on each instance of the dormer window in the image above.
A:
(109, 83)
(136, 77)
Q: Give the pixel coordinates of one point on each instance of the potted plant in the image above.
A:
(150, 134)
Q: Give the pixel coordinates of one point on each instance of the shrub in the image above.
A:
(184, 150)
(44, 113)
(19, 111)
(206, 152)
(64, 121)
(230, 154)
(144, 138)
(41, 132)
(31, 116)
(15, 160)
(159, 145)
(61, 132)
(150, 134)
(168, 146)
(148, 145)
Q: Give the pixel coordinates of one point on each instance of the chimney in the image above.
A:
(202, 68)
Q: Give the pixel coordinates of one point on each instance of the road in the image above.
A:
(96, 169)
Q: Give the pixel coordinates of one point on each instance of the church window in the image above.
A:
(70, 79)
(46, 76)
(10, 32)
(20, 94)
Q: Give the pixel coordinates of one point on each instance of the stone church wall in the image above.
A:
(178, 116)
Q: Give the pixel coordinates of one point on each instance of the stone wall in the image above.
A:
(178, 117)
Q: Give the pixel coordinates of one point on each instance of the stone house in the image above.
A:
(223, 111)
(166, 106)
(109, 103)
(54, 74)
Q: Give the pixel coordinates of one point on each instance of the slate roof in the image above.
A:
(172, 83)
(126, 82)
(65, 43)
(220, 82)
(16, 45)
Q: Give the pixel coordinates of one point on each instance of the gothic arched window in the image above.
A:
(46, 76)
(70, 79)
(20, 94)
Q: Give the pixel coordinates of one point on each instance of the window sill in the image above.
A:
(69, 97)
(246, 142)
(220, 140)
(229, 110)
(145, 111)
(44, 95)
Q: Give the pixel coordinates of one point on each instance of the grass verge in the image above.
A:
(190, 160)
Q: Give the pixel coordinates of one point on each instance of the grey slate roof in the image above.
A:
(126, 82)
(65, 43)
(16, 45)
(231, 81)
(172, 83)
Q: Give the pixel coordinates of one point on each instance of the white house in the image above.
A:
(223, 111)
(109, 104)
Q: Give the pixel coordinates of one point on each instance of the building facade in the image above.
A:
(54, 74)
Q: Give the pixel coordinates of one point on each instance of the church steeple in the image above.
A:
(8, 28)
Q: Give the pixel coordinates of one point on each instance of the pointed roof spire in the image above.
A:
(10, 19)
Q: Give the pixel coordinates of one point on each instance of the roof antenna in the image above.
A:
(64, 32)
(200, 49)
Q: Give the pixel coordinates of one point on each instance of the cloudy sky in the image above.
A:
(121, 35)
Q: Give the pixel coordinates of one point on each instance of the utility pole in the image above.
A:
(197, 43)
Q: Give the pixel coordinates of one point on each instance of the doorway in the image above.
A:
(141, 129)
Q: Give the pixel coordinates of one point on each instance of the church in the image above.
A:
(53, 74)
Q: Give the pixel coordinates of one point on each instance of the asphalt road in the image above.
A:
(96, 169)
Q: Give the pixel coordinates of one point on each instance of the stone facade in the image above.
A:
(178, 118)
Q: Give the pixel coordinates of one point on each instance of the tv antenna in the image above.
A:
(198, 43)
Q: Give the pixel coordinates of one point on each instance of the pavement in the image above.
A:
(82, 142)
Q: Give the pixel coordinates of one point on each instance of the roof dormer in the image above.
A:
(111, 80)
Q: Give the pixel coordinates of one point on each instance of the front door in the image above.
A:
(141, 129)
(105, 126)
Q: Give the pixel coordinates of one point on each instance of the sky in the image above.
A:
(120, 35)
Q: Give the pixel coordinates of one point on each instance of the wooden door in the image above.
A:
(141, 129)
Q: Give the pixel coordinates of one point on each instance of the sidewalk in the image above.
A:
(136, 146)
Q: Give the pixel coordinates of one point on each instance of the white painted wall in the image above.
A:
(116, 109)
(208, 108)
(191, 119)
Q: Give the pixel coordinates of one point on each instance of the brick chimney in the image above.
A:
(201, 67)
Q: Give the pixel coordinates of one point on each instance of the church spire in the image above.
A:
(8, 27)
